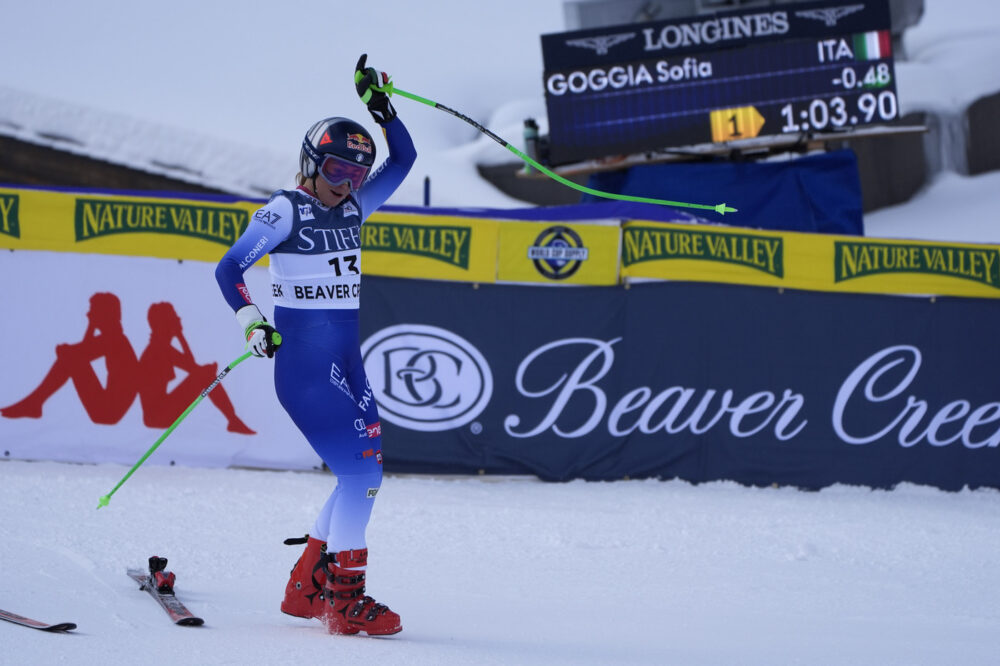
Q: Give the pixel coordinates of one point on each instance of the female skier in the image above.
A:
(313, 235)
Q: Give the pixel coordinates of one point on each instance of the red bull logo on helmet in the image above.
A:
(359, 142)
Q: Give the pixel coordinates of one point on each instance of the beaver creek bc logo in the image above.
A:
(426, 378)
(558, 252)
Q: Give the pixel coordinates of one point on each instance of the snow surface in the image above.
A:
(482, 570)
(505, 570)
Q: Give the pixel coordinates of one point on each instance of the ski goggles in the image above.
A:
(336, 170)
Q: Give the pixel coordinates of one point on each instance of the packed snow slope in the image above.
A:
(505, 571)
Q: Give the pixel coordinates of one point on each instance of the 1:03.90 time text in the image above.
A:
(819, 114)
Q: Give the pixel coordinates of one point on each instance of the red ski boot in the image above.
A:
(304, 594)
(348, 610)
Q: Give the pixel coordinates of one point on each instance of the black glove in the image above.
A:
(366, 80)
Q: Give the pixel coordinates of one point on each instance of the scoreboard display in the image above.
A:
(782, 69)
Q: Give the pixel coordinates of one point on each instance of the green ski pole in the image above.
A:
(389, 88)
(103, 501)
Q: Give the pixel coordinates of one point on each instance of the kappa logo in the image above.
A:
(143, 378)
(426, 378)
(602, 43)
(830, 15)
(306, 212)
(558, 252)
(268, 217)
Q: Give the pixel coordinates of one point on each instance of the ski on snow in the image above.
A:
(160, 584)
(35, 624)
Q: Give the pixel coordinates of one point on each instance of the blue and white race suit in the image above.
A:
(315, 267)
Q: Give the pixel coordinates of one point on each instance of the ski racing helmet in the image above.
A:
(338, 149)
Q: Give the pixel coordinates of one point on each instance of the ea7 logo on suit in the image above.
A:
(268, 217)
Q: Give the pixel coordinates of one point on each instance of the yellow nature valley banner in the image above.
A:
(559, 253)
(808, 261)
(468, 249)
(430, 247)
(100, 223)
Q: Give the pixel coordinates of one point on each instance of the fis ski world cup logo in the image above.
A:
(558, 252)
(426, 378)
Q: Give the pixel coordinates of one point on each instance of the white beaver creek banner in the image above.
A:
(101, 353)
(696, 381)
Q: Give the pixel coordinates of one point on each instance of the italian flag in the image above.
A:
(872, 45)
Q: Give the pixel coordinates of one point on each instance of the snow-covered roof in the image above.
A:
(180, 154)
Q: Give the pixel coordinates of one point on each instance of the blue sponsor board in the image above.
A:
(697, 381)
(818, 193)
(785, 69)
